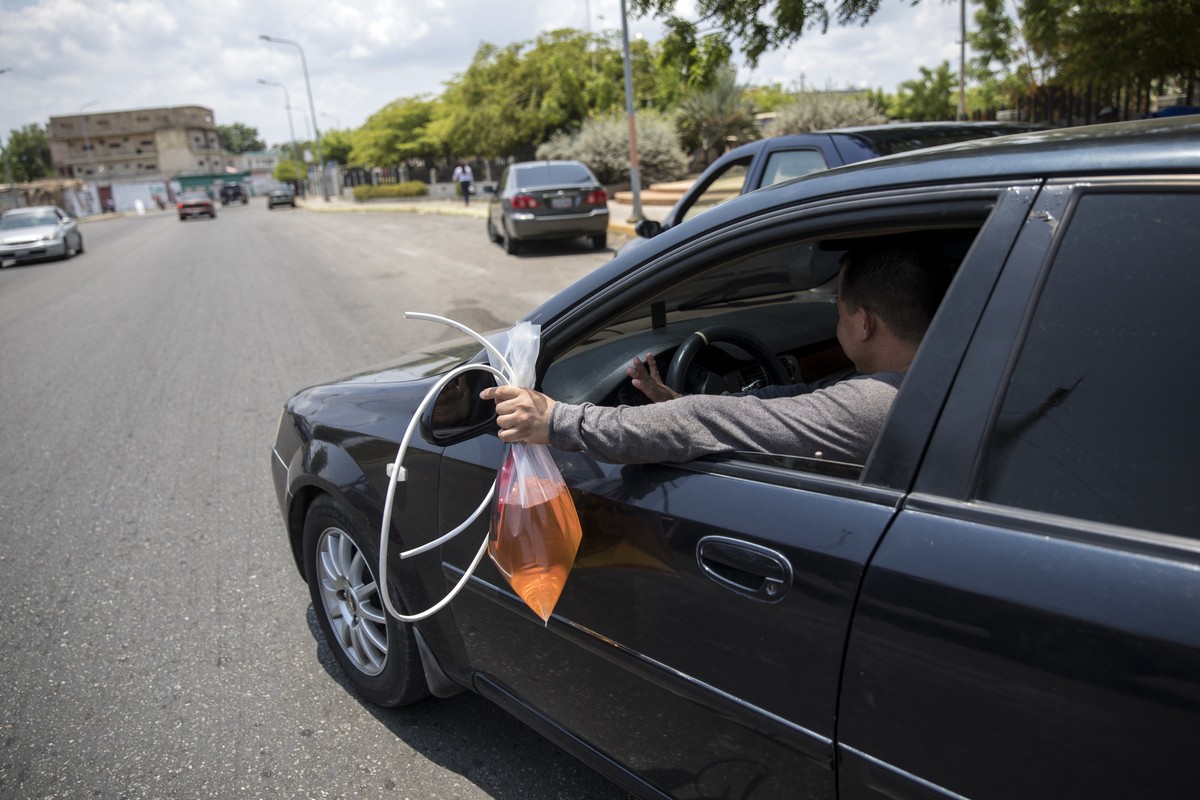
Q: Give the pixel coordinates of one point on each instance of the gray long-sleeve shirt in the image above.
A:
(839, 423)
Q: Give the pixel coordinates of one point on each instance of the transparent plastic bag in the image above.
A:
(535, 530)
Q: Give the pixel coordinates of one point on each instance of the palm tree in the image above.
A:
(713, 120)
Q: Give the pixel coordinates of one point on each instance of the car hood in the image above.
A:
(427, 362)
(32, 234)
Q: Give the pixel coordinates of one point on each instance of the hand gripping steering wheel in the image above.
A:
(772, 367)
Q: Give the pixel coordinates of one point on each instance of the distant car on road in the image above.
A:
(781, 158)
(195, 204)
(40, 232)
(281, 196)
(233, 193)
(547, 200)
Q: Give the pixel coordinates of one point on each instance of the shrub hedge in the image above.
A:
(406, 189)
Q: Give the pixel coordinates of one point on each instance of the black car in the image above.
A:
(1003, 601)
(233, 193)
(547, 200)
(765, 162)
(282, 195)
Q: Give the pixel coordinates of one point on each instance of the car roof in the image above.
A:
(1146, 147)
(881, 135)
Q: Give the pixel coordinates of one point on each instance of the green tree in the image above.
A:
(932, 97)
(401, 129)
(761, 25)
(515, 97)
(1082, 44)
(239, 138)
(289, 171)
(27, 152)
(819, 111)
(711, 121)
(336, 146)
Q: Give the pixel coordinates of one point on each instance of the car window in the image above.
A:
(551, 174)
(1096, 422)
(721, 187)
(783, 165)
(782, 293)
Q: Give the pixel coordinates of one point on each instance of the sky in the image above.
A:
(87, 56)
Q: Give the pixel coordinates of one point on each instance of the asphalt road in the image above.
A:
(157, 640)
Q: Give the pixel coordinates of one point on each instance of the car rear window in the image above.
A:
(553, 174)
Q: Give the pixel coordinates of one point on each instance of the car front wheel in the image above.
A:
(376, 651)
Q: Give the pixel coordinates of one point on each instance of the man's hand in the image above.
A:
(522, 414)
(647, 380)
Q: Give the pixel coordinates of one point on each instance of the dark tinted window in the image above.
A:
(1100, 421)
(552, 174)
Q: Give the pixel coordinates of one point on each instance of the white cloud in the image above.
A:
(361, 54)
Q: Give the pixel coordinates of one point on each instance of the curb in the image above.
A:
(445, 208)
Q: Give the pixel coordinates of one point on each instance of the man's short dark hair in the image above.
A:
(899, 278)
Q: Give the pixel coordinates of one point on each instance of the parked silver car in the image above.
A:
(36, 233)
(547, 200)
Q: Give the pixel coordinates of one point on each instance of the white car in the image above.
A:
(40, 232)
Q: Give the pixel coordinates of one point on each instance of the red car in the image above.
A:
(195, 204)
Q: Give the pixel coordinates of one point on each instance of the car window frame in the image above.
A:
(887, 211)
(949, 474)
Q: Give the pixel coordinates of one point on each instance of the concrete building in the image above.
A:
(139, 155)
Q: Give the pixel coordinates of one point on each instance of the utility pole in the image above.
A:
(287, 103)
(962, 60)
(634, 180)
(311, 108)
(8, 149)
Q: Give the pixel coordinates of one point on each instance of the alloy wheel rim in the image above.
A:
(351, 599)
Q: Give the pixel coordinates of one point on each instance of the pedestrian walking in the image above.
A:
(464, 178)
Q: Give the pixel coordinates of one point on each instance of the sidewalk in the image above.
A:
(618, 213)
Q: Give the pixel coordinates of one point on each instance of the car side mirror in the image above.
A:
(648, 228)
(457, 413)
(489, 189)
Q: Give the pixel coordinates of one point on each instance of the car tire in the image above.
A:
(512, 245)
(377, 652)
(600, 241)
(491, 232)
(79, 249)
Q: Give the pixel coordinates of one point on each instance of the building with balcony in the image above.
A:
(139, 154)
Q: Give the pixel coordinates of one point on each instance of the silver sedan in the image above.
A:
(40, 232)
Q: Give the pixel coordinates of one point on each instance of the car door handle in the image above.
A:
(745, 568)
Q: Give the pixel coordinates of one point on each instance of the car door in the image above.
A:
(699, 640)
(1030, 625)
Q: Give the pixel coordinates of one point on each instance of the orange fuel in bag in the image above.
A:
(535, 531)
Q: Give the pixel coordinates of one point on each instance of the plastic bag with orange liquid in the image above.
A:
(535, 530)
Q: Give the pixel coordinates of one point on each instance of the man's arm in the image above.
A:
(839, 423)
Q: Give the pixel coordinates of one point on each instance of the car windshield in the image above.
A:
(195, 197)
(550, 174)
(28, 219)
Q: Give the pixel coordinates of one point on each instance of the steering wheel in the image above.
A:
(758, 350)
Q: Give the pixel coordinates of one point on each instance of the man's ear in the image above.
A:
(864, 323)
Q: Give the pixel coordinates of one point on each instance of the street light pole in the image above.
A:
(287, 103)
(962, 60)
(634, 180)
(312, 108)
(8, 149)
